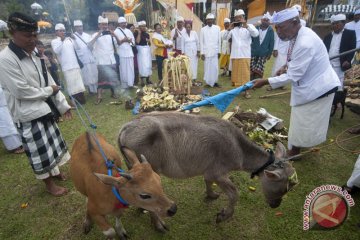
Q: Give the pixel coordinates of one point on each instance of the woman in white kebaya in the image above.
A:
(191, 48)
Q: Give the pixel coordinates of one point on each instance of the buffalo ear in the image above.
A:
(109, 180)
(130, 156)
(280, 151)
(273, 174)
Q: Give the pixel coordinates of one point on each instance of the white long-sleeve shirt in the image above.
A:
(124, 49)
(210, 41)
(103, 49)
(65, 51)
(84, 50)
(309, 70)
(241, 41)
(178, 41)
(190, 45)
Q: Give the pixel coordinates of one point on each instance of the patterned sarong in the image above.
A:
(240, 71)
(224, 61)
(257, 65)
(43, 144)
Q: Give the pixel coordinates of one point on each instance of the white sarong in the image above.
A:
(354, 180)
(144, 61)
(194, 66)
(90, 76)
(309, 122)
(211, 70)
(74, 82)
(127, 74)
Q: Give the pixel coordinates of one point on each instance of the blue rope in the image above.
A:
(109, 164)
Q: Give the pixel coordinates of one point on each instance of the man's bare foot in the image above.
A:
(54, 189)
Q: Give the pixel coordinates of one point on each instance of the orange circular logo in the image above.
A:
(329, 209)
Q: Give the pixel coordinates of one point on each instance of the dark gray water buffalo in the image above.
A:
(180, 145)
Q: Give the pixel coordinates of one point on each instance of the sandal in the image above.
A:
(19, 150)
(350, 190)
(114, 96)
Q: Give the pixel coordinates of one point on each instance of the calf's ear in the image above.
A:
(109, 180)
(280, 151)
(273, 174)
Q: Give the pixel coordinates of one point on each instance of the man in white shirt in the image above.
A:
(89, 71)
(338, 41)
(355, 25)
(177, 33)
(64, 47)
(210, 43)
(104, 46)
(126, 40)
(225, 47)
(313, 81)
(241, 38)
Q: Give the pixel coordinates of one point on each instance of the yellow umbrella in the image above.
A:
(44, 24)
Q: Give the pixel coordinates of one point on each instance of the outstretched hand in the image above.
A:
(258, 83)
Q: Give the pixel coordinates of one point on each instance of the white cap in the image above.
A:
(59, 26)
(239, 12)
(227, 20)
(285, 15)
(337, 17)
(142, 23)
(357, 11)
(297, 7)
(180, 19)
(102, 20)
(267, 15)
(122, 20)
(78, 23)
(210, 16)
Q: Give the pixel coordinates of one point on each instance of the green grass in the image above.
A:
(47, 217)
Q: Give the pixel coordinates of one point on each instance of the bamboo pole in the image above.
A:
(274, 94)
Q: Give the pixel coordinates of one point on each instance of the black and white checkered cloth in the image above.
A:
(43, 144)
(257, 65)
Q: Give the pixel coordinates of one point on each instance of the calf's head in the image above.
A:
(141, 187)
(279, 178)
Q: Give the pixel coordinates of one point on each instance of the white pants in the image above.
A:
(127, 74)
(211, 70)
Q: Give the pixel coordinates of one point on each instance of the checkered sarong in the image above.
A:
(43, 144)
(257, 65)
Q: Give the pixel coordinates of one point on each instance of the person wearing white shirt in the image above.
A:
(314, 82)
(355, 25)
(64, 48)
(104, 45)
(191, 48)
(241, 38)
(126, 41)
(89, 71)
(177, 34)
(225, 47)
(299, 9)
(280, 53)
(338, 41)
(210, 43)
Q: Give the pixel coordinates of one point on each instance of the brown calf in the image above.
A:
(140, 187)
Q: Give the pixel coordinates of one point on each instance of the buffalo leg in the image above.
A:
(231, 191)
(120, 230)
(210, 194)
(88, 224)
(158, 223)
(101, 221)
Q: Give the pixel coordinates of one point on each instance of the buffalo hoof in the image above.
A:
(222, 216)
(211, 196)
